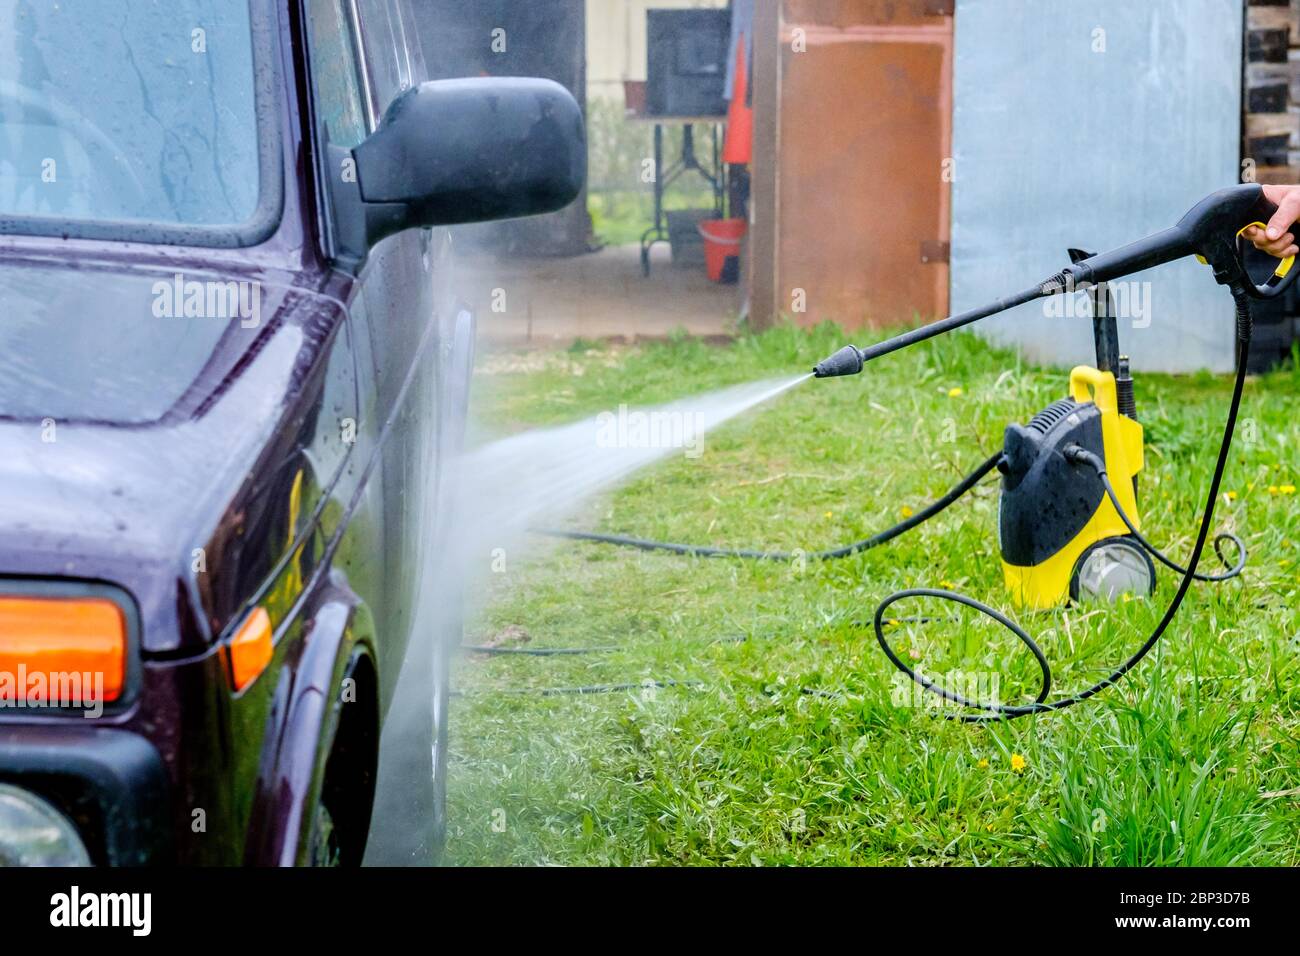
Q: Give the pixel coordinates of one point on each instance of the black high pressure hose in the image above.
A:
(704, 551)
(1076, 454)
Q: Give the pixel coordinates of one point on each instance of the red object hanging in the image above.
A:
(739, 145)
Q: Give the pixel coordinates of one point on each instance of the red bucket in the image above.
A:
(721, 242)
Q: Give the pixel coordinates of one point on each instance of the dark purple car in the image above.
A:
(231, 372)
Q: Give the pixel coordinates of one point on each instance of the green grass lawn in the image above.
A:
(1186, 762)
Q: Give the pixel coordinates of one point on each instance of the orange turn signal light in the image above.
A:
(251, 648)
(59, 639)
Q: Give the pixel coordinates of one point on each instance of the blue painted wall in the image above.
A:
(1090, 124)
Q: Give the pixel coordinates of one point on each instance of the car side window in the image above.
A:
(387, 59)
(408, 27)
(336, 87)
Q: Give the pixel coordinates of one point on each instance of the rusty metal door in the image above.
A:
(864, 139)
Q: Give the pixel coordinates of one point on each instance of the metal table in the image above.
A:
(715, 175)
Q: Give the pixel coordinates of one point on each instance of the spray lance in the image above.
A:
(1064, 524)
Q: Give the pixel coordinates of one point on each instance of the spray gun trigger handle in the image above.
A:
(1283, 265)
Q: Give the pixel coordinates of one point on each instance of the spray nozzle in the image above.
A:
(847, 361)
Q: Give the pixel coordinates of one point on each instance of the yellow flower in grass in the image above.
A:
(954, 392)
(906, 512)
(1017, 763)
(1232, 495)
(1287, 489)
(983, 764)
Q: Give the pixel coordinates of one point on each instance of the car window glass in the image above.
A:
(335, 86)
(386, 59)
(128, 111)
(408, 43)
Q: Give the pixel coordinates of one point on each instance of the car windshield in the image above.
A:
(136, 110)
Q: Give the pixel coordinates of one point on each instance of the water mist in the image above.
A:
(493, 495)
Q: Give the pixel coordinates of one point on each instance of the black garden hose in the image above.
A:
(1081, 454)
(704, 551)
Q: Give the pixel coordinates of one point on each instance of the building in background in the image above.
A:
(616, 42)
(915, 156)
(1089, 126)
(892, 136)
(1271, 142)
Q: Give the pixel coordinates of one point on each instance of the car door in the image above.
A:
(400, 310)
(411, 342)
(363, 63)
(422, 344)
(342, 114)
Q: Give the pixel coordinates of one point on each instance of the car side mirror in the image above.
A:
(458, 151)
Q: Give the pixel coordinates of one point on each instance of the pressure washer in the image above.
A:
(1069, 526)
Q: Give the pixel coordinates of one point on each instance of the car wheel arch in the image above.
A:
(332, 707)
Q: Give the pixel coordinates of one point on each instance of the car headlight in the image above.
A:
(33, 833)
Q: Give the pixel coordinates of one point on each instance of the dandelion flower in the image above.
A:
(906, 511)
(983, 764)
(1017, 763)
(1232, 495)
(1287, 489)
(954, 392)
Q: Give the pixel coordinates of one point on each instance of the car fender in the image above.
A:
(304, 716)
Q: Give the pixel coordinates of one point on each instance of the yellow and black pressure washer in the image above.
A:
(1060, 536)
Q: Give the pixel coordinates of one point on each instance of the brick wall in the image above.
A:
(1271, 91)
